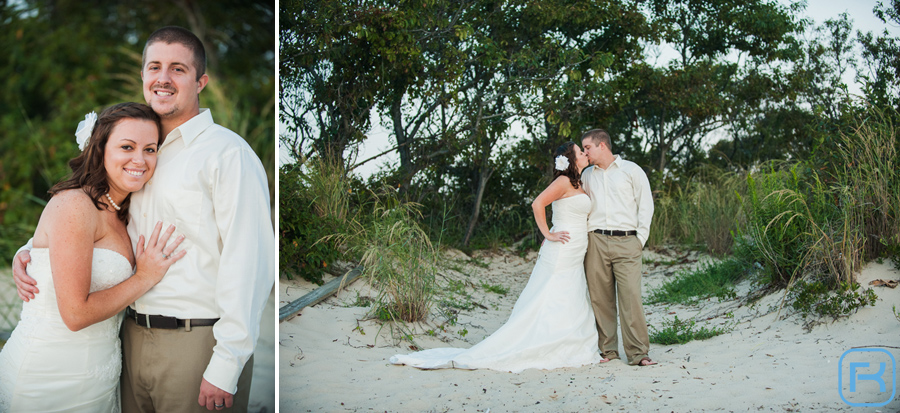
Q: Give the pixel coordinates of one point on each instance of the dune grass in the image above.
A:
(397, 254)
(495, 288)
(702, 212)
(870, 175)
(325, 217)
(715, 279)
(679, 331)
(316, 199)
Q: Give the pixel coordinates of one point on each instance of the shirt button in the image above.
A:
(145, 215)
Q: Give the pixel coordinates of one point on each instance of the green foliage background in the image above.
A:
(62, 59)
(454, 83)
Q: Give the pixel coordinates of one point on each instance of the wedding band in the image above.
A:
(219, 405)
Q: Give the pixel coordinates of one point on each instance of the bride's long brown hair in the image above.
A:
(88, 171)
(572, 171)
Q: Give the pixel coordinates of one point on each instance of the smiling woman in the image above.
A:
(130, 157)
(119, 131)
(83, 261)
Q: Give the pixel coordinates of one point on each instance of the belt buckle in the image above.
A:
(147, 318)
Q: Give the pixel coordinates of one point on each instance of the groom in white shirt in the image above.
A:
(188, 343)
(618, 227)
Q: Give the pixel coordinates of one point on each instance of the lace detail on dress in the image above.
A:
(5, 388)
(5, 395)
(112, 368)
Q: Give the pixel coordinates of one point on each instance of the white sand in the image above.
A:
(332, 360)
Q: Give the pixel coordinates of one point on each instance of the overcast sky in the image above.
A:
(860, 12)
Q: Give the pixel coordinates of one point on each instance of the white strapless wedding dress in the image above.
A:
(551, 325)
(45, 367)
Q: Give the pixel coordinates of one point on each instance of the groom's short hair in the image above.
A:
(182, 36)
(598, 136)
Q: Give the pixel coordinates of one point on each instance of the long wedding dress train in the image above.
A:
(45, 367)
(551, 325)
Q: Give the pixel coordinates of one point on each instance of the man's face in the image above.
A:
(170, 81)
(591, 150)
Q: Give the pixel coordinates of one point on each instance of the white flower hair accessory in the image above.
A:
(84, 130)
(562, 163)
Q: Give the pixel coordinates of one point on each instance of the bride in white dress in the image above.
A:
(552, 324)
(64, 355)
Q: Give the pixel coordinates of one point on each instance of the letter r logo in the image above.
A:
(876, 377)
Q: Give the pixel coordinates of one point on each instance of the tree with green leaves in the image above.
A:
(880, 74)
(675, 106)
(62, 60)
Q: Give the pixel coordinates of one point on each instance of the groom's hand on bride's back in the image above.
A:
(26, 286)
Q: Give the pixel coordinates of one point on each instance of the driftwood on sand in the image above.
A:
(319, 294)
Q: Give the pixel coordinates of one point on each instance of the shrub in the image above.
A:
(870, 174)
(804, 226)
(396, 253)
(820, 299)
(680, 331)
(776, 236)
(314, 202)
(710, 280)
(704, 211)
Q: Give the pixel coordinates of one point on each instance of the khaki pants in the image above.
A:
(612, 266)
(162, 369)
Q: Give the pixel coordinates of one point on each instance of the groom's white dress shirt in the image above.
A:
(620, 198)
(212, 186)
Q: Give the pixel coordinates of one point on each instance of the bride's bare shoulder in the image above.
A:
(70, 211)
(76, 197)
(563, 183)
(69, 204)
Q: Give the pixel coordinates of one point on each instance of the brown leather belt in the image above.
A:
(615, 233)
(161, 321)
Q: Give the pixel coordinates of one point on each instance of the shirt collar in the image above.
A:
(189, 130)
(617, 162)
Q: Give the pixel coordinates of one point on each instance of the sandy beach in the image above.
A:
(332, 359)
